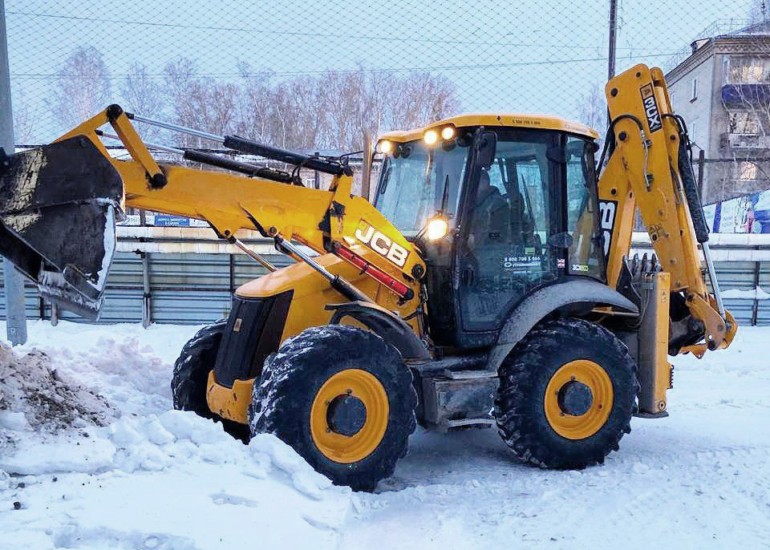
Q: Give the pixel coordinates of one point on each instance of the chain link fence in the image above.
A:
(316, 75)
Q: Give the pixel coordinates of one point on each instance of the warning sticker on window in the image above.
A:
(522, 263)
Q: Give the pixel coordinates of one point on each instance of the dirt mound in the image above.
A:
(33, 395)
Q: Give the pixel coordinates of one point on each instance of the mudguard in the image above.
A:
(385, 324)
(542, 302)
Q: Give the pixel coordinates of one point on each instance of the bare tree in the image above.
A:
(381, 89)
(257, 109)
(328, 111)
(23, 121)
(344, 92)
(308, 101)
(592, 108)
(82, 86)
(200, 102)
(143, 95)
(422, 98)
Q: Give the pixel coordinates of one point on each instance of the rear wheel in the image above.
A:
(567, 393)
(342, 398)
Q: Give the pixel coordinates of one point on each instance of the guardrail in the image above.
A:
(187, 275)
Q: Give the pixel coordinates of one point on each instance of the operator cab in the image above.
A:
(518, 196)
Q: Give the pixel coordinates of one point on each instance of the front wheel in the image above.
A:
(191, 373)
(342, 398)
(567, 394)
(191, 369)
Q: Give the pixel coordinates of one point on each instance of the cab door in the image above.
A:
(508, 215)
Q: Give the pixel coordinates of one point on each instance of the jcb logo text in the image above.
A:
(381, 244)
(651, 107)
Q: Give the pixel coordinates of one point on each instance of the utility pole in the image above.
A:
(15, 314)
(613, 38)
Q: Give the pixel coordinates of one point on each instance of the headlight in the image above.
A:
(430, 137)
(385, 147)
(443, 133)
(437, 228)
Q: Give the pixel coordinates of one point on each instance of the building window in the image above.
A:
(745, 122)
(692, 132)
(744, 171)
(747, 70)
(672, 97)
(694, 91)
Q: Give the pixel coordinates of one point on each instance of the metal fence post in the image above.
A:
(701, 168)
(755, 305)
(54, 315)
(15, 314)
(146, 291)
(366, 172)
(613, 38)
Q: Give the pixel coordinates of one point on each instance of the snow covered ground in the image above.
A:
(155, 478)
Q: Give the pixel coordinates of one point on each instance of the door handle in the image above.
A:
(468, 276)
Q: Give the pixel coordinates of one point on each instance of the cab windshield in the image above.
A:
(418, 181)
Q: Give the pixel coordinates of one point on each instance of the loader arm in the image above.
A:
(332, 221)
(647, 168)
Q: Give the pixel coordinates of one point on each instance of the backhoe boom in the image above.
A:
(647, 169)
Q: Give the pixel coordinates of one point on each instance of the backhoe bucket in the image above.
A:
(57, 220)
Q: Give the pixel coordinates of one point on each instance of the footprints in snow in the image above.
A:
(224, 498)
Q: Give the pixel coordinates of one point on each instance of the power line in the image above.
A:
(260, 30)
(41, 76)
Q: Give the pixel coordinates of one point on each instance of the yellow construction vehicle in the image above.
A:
(488, 284)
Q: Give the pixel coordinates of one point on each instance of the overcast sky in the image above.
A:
(519, 56)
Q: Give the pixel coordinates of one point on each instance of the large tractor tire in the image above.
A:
(567, 394)
(191, 373)
(343, 399)
(191, 369)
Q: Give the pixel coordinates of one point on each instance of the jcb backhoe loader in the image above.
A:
(488, 284)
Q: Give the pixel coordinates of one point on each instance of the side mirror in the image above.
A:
(486, 145)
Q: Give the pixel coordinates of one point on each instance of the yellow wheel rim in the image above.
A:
(587, 424)
(347, 449)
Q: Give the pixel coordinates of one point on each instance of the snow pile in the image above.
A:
(35, 396)
(127, 373)
(137, 474)
(755, 293)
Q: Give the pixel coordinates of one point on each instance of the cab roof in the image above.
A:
(512, 120)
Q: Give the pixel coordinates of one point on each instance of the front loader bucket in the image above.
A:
(57, 220)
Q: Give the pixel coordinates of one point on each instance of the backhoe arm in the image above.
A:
(648, 168)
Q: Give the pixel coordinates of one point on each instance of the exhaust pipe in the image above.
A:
(58, 205)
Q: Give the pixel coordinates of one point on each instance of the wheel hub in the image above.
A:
(578, 399)
(575, 398)
(346, 415)
(336, 411)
